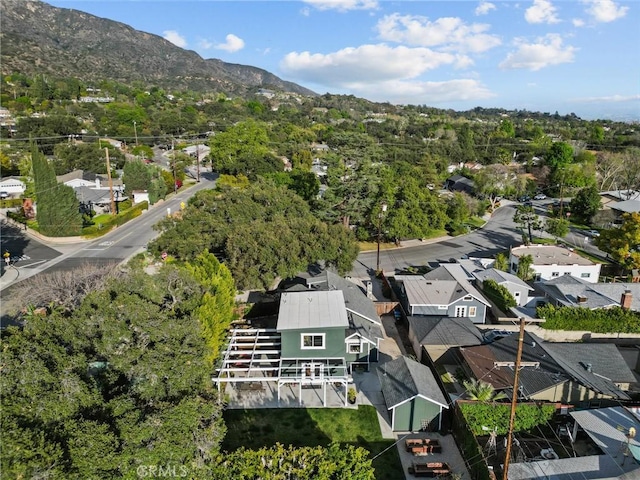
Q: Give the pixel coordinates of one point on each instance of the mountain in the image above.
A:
(38, 38)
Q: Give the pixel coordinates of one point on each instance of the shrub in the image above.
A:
(498, 294)
(11, 203)
(496, 415)
(610, 320)
(120, 219)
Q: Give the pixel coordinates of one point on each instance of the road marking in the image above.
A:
(105, 244)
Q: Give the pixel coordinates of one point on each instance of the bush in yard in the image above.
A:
(498, 294)
(610, 320)
(496, 415)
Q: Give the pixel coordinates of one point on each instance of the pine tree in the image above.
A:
(58, 213)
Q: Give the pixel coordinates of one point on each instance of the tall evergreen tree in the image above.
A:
(58, 213)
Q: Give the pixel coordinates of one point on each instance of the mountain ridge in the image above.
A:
(38, 38)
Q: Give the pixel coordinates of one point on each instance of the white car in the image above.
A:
(540, 196)
(593, 233)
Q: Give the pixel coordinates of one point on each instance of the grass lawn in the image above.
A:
(310, 427)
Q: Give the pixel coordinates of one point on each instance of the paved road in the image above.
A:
(498, 235)
(114, 247)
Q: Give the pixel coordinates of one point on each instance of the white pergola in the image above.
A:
(253, 355)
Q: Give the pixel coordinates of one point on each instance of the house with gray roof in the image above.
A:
(575, 373)
(444, 292)
(617, 456)
(438, 337)
(412, 395)
(568, 291)
(325, 326)
(552, 261)
(517, 287)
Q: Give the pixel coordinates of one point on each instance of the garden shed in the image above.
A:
(412, 395)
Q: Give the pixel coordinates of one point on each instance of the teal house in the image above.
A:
(413, 397)
(322, 339)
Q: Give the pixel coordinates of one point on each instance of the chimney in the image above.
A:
(589, 368)
(626, 299)
(582, 299)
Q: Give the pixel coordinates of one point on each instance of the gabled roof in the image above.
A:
(421, 291)
(360, 311)
(598, 366)
(558, 363)
(501, 277)
(456, 331)
(456, 272)
(312, 309)
(566, 289)
(628, 206)
(403, 379)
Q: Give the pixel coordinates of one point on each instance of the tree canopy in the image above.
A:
(120, 382)
(261, 232)
(623, 243)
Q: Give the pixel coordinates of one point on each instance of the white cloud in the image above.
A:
(547, 51)
(610, 98)
(604, 10)
(542, 11)
(367, 63)
(418, 93)
(577, 22)
(343, 5)
(175, 38)
(449, 33)
(484, 7)
(204, 44)
(232, 44)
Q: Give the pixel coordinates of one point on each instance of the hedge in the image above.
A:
(498, 294)
(609, 320)
(11, 203)
(496, 415)
(120, 219)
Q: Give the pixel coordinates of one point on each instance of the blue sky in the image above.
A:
(580, 56)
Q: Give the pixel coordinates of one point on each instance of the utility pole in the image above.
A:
(198, 160)
(383, 208)
(173, 164)
(113, 201)
(135, 132)
(514, 402)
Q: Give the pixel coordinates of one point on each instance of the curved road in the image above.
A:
(496, 236)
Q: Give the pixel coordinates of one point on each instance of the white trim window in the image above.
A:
(473, 311)
(585, 275)
(460, 312)
(354, 346)
(468, 298)
(443, 307)
(312, 341)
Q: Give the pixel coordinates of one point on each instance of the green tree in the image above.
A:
(558, 227)
(216, 310)
(482, 391)
(560, 155)
(262, 232)
(623, 243)
(58, 213)
(525, 272)
(528, 220)
(244, 149)
(136, 175)
(586, 203)
(120, 381)
(501, 262)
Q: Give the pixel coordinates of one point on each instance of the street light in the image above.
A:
(383, 209)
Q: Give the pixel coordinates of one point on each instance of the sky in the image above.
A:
(569, 56)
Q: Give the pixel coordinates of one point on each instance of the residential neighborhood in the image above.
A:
(225, 275)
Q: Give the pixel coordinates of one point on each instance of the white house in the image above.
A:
(13, 186)
(552, 261)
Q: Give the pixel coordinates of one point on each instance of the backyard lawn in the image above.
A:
(310, 427)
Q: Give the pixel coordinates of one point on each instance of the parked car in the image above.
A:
(4, 195)
(593, 233)
(524, 198)
(540, 196)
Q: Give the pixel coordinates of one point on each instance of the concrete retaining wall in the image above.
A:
(570, 335)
